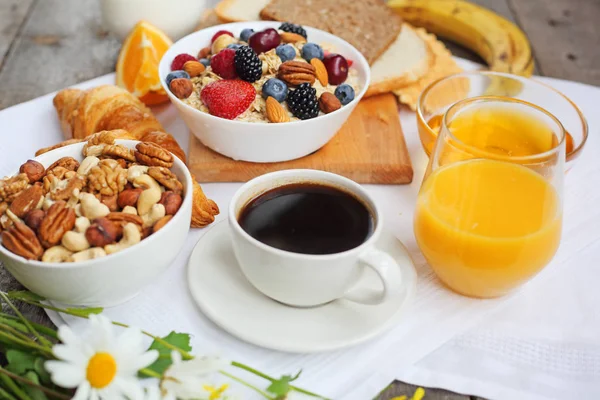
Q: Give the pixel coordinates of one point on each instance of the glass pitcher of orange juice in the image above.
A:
(489, 212)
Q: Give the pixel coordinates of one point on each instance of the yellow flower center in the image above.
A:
(101, 370)
(215, 393)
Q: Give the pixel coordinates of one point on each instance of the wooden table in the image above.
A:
(46, 45)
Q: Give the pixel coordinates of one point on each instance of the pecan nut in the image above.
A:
(34, 170)
(118, 151)
(123, 219)
(68, 163)
(58, 220)
(11, 187)
(153, 155)
(165, 177)
(29, 199)
(296, 72)
(21, 240)
(107, 178)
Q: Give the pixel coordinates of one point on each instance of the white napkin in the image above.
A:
(437, 316)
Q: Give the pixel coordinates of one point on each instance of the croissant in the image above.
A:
(108, 107)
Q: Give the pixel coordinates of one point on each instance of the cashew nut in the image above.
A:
(56, 254)
(156, 212)
(91, 207)
(87, 164)
(47, 202)
(151, 194)
(89, 254)
(130, 210)
(77, 209)
(75, 241)
(81, 224)
(73, 198)
(131, 236)
(94, 150)
(136, 171)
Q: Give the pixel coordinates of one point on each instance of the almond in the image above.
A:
(329, 103)
(275, 111)
(290, 37)
(181, 87)
(193, 68)
(320, 71)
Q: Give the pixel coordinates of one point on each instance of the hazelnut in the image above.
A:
(110, 202)
(129, 197)
(204, 52)
(182, 87)
(329, 103)
(33, 169)
(161, 222)
(172, 201)
(34, 218)
(102, 232)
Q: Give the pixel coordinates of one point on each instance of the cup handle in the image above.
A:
(380, 262)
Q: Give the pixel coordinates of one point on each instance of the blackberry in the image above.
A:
(293, 28)
(303, 102)
(247, 64)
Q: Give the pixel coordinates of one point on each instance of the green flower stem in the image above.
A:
(149, 373)
(271, 379)
(18, 334)
(10, 384)
(31, 345)
(14, 322)
(243, 382)
(41, 338)
(47, 391)
(5, 395)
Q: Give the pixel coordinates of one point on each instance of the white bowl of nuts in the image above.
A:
(264, 91)
(92, 223)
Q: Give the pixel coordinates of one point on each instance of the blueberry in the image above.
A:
(245, 35)
(234, 46)
(312, 50)
(286, 52)
(205, 62)
(175, 75)
(344, 93)
(275, 88)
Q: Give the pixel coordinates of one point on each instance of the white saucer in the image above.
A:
(230, 301)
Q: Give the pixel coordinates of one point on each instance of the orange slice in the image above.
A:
(137, 66)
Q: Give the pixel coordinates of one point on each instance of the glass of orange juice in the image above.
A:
(440, 95)
(489, 211)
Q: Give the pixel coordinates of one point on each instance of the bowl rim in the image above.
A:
(357, 58)
(187, 198)
(584, 123)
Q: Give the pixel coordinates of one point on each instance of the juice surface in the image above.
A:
(487, 226)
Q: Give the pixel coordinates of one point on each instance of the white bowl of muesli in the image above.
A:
(264, 91)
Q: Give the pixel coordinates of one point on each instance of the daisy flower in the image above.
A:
(100, 364)
(187, 379)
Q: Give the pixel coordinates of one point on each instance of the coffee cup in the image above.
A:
(302, 279)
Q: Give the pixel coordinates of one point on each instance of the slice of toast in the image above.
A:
(209, 18)
(240, 10)
(369, 25)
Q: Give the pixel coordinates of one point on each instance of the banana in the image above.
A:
(502, 45)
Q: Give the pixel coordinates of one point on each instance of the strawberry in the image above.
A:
(228, 98)
(219, 33)
(181, 59)
(222, 64)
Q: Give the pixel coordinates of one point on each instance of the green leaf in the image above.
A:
(19, 362)
(281, 387)
(85, 312)
(38, 367)
(180, 340)
(25, 295)
(33, 392)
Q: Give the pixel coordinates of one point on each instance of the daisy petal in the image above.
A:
(66, 335)
(83, 391)
(64, 374)
(132, 341)
(130, 387)
(144, 360)
(70, 353)
(94, 395)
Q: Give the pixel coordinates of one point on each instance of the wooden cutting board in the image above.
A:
(370, 148)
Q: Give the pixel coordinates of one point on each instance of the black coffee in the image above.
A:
(307, 218)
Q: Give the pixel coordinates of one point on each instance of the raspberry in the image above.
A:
(219, 33)
(181, 59)
(228, 98)
(247, 64)
(223, 64)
